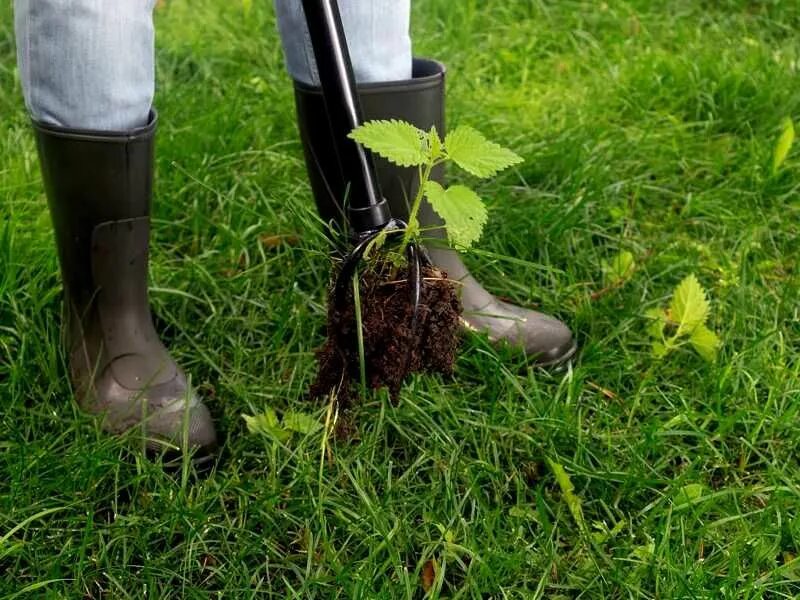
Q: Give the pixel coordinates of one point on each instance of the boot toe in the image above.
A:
(195, 426)
(548, 341)
(185, 424)
(545, 339)
(170, 414)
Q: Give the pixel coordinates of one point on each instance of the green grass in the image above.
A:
(646, 127)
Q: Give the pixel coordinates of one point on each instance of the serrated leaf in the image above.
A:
(463, 212)
(434, 143)
(689, 307)
(784, 145)
(300, 423)
(397, 141)
(477, 155)
(266, 423)
(705, 342)
(266, 419)
(658, 320)
(659, 350)
(619, 269)
(568, 493)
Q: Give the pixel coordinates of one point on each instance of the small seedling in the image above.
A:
(687, 495)
(462, 210)
(684, 322)
(616, 273)
(267, 423)
(619, 269)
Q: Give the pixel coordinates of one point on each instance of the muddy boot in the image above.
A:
(421, 101)
(99, 187)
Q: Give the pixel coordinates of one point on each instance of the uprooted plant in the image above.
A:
(370, 338)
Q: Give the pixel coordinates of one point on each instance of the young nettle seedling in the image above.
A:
(684, 322)
(462, 210)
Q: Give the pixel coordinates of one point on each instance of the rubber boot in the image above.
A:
(99, 187)
(420, 101)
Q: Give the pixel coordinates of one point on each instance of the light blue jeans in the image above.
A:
(89, 64)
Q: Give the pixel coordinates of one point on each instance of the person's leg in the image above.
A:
(377, 34)
(87, 73)
(86, 64)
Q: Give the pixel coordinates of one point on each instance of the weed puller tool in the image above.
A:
(367, 210)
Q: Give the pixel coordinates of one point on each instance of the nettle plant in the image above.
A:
(684, 322)
(462, 210)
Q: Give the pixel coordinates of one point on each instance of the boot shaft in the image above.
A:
(99, 189)
(92, 178)
(420, 101)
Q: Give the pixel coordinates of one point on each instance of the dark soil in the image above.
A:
(391, 350)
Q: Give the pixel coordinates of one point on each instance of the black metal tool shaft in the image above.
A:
(367, 209)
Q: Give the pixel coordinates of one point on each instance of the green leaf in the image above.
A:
(246, 6)
(522, 512)
(434, 143)
(267, 424)
(784, 145)
(688, 494)
(689, 307)
(397, 141)
(463, 212)
(602, 533)
(705, 342)
(619, 269)
(659, 350)
(568, 491)
(300, 423)
(266, 419)
(644, 552)
(377, 243)
(658, 320)
(477, 155)
(259, 85)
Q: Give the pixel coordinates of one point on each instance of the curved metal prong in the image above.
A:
(415, 285)
(349, 265)
(351, 260)
(414, 281)
(417, 259)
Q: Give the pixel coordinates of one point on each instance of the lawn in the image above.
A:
(646, 127)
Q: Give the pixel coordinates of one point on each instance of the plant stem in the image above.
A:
(362, 365)
(413, 225)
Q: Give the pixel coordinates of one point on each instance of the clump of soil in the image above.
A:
(392, 351)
